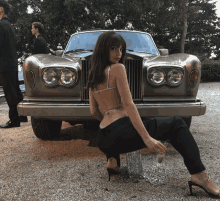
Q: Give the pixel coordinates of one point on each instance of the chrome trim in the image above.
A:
(169, 83)
(58, 71)
(85, 75)
(79, 111)
(153, 83)
(57, 77)
(68, 85)
(134, 70)
(165, 70)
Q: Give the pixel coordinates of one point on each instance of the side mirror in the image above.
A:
(164, 52)
(59, 53)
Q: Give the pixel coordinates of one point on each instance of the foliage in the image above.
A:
(210, 71)
(161, 18)
(203, 32)
(19, 19)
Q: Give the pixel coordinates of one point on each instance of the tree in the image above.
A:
(19, 19)
(164, 19)
(184, 27)
(203, 32)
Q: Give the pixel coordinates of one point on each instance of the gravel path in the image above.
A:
(32, 169)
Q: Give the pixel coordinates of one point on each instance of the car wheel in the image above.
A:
(46, 129)
(187, 120)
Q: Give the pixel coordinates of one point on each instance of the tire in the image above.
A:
(46, 129)
(187, 120)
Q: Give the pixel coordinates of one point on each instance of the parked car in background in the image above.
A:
(20, 78)
(161, 84)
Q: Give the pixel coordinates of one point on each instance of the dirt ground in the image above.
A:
(73, 168)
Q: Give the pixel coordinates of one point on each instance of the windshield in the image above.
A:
(140, 42)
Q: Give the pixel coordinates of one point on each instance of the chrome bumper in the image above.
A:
(72, 111)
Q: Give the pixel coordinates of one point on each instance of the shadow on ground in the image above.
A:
(79, 131)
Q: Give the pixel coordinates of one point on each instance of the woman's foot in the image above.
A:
(112, 163)
(112, 167)
(201, 179)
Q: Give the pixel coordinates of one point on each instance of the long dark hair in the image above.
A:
(100, 58)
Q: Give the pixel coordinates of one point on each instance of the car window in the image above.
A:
(136, 41)
(139, 42)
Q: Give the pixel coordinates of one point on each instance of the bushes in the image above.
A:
(210, 71)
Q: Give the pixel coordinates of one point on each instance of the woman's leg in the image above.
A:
(177, 132)
(122, 137)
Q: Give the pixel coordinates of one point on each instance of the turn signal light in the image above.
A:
(30, 78)
(193, 78)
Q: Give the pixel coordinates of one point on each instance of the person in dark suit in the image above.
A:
(40, 44)
(9, 67)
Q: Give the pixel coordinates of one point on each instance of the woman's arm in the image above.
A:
(127, 101)
(94, 108)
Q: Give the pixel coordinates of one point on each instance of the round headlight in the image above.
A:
(68, 78)
(174, 77)
(156, 77)
(50, 77)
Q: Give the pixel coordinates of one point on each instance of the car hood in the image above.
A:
(179, 59)
(45, 60)
(81, 55)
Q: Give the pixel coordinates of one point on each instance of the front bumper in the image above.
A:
(81, 112)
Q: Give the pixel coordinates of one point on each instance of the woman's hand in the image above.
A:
(155, 145)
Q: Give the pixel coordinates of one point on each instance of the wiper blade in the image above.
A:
(78, 50)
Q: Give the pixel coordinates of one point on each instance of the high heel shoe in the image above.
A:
(191, 183)
(118, 161)
(116, 170)
(113, 171)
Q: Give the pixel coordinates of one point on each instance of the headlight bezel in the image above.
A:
(58, 75)
(166, 70)
(70, 71)
(149, 77)
(173, 84)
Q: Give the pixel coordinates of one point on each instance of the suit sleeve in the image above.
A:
(1, 35)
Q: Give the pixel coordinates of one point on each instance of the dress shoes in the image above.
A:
(11, 124)
(23, 118)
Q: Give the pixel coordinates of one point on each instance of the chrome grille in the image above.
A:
(134, 75)
(85, 75)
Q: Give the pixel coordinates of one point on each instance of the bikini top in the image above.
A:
(109, 88)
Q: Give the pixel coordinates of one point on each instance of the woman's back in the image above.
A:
(108, 97)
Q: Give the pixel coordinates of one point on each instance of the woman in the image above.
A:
(121, 128)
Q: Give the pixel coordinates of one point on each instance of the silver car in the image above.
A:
(161, 84)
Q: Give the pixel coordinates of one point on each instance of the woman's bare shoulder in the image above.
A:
(116, 68)
(117, 65)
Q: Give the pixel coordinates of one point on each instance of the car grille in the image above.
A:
(134, 75)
